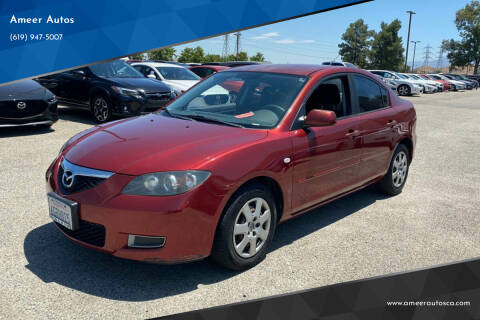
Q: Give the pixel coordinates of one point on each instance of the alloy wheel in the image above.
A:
(251, 228)
(403, 90)
(100, 109)
(399, 169)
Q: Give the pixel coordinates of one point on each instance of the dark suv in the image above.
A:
(109, 88)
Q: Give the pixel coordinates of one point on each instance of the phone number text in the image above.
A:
(35, 36)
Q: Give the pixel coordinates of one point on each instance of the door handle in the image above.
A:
(352, 133)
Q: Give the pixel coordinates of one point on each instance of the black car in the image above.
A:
(26, 103)
(468, 83)
(110, 88)
(473, 81)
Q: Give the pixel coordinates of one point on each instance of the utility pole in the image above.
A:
(414, 51)
(411, 13)
(427, 57)
(226, 47)
(237, 45)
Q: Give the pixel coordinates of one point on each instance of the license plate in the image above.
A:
(63, 211)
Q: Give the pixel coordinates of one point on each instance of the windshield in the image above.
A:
(414, 77)
(402, 76)
(424, 77)
(247, 99)
(176, 73)
(115, 69)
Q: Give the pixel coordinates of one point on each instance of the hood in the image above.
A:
(23, 90)
(156, 142)
(147, 84)
(182, 85)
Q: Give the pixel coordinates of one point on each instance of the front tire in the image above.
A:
(394, 181)
(101, 109)
(404, 90)
(246, 229)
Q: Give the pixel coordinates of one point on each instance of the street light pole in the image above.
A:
(414, 50)
(408, 39)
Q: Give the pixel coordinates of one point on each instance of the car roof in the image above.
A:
(211, 66)
(294, 69)
(157, 64)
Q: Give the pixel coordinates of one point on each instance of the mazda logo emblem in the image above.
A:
(67, 179)
(21, 105)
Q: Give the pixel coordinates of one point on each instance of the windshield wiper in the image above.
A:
(175, 115)
(213, 120)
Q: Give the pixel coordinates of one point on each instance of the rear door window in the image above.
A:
(370, 96)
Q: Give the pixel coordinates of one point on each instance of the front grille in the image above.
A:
(88, 232)
(157, 99)
(80, 183)
(9, 109)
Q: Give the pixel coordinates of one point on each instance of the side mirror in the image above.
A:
(320, 118)
(79, 74)
(151, 76)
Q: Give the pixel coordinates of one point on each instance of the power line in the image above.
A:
(427, 57)
(440, 58)
(226, 47)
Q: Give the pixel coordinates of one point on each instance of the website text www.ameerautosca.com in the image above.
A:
(435, 303)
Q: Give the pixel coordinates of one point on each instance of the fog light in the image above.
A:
(135, 241)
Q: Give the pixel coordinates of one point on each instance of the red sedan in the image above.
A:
(210, 175)
(204, 71)
(446, 85)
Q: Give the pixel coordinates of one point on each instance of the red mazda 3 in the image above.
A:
(214, 173)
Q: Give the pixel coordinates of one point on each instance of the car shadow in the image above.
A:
(75, 114)
(24, 131)
(78, 115)
(53, 258)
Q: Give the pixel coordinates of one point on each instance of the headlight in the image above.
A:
(166, 183)
(125, 91)
(52, 100)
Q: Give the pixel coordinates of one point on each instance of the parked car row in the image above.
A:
(410, 84)
(134, 87)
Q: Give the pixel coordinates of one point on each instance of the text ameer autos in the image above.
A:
(39, 20)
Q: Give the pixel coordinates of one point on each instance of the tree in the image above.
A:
(166, 54)
(467, 50)
(242, 56)
(356, 43)
(212, 58)
(387, 49)
(192, 55)
(137, 56)
(258, 57)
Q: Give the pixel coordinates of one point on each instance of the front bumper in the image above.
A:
(46, 118)
(136, 105)
(416, 90)
(187, 221)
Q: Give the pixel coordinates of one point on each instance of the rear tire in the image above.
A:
(246, 229)
(394, 181)
(101, 108)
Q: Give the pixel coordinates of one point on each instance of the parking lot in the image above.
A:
(434, 221)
